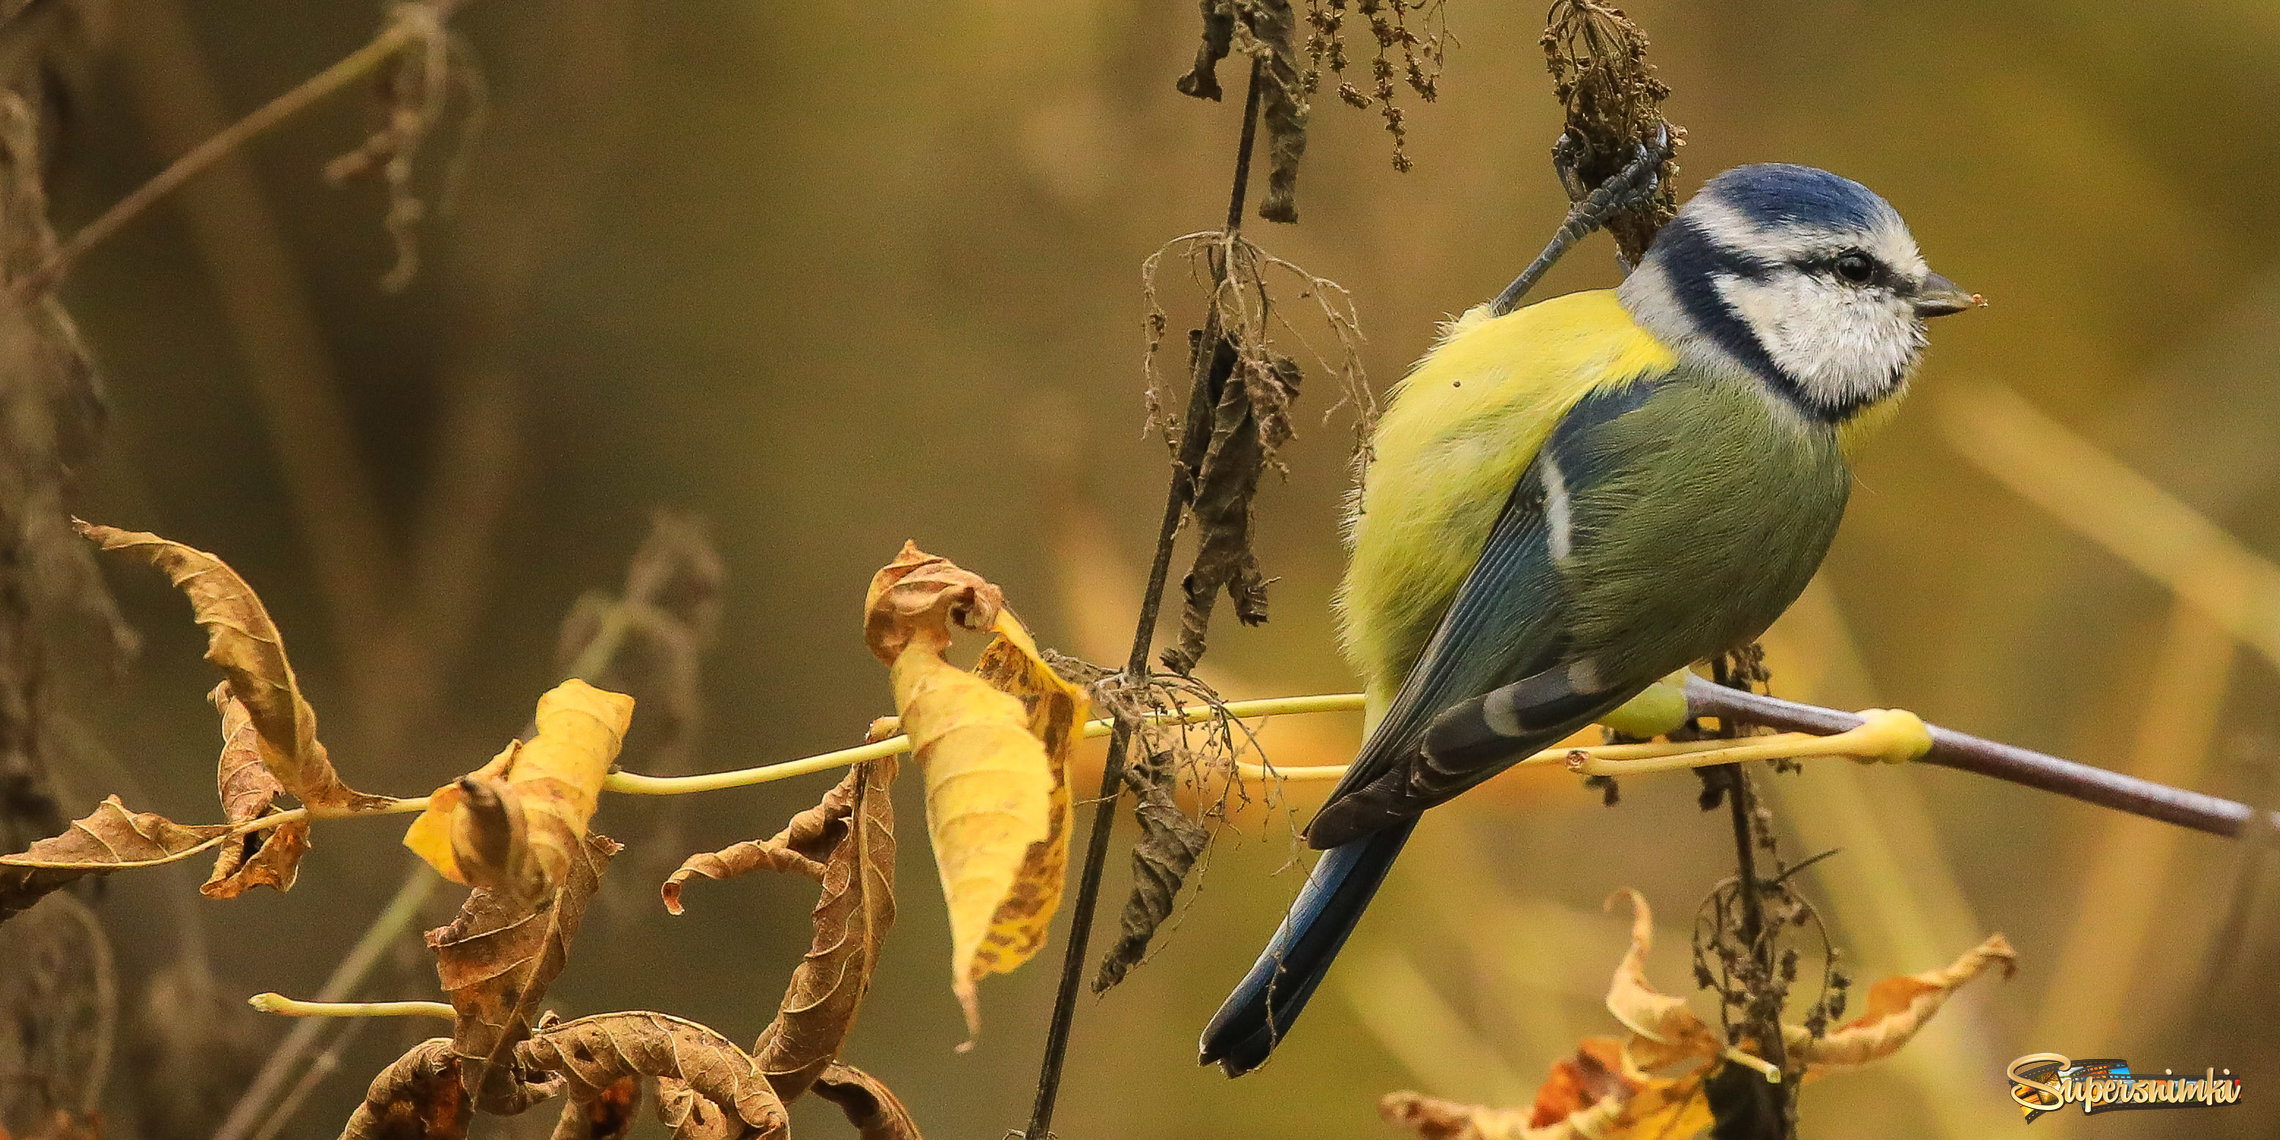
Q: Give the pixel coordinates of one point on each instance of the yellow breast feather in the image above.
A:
(1457, 434)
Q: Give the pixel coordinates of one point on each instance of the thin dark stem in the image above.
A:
(1745, 853)
(1952, 749)
(1176, 499)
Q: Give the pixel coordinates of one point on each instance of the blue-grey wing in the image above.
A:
(1504, 634)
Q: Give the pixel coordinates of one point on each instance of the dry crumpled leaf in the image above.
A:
(1251, 388)
(110, 839)
(495, 961)
(870, 1106)
(609, 1116)
(594, 1053)
(1170, 843)
(244, 642)
(1267, 27)
(417, 1097)
(849, 839)
(1897, 1008)
(1600, 74)
(995, 747)
(1607, 1091)
(515, 824)
(1664, 1029)
(249, 791)
(1597, 1094)
(847, 843)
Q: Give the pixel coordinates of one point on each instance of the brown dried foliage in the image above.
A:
(243, 641)
(592, 1054)
(109, 839)
(1395, 25)
(270, 857)
(852, 917)
(496, 960)
(846, 843)
(1170, 842)
(1600, 74)
(1241, 419)
(870, 1106)
(417, 1097)
(1262, 30)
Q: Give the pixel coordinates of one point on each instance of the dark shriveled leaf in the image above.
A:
(1267, 27)
(1168, 847)
(1254, 387)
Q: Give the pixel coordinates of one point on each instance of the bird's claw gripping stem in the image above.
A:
(1628, 186)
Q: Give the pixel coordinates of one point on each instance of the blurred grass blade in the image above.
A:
(2110, 504)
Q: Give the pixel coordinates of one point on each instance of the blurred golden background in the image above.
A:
(832, 276)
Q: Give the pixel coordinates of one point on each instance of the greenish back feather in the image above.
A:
(1454, 439)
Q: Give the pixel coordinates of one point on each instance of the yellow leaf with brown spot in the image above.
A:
(1897, 1008)
(517, 823)
(994, 745)
(245, 644)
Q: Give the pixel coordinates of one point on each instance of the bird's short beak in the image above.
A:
(1938, 296)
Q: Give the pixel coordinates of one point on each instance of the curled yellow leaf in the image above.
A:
(994, 745)
(1897, 1008)
(516, 824)
(1666, 1029)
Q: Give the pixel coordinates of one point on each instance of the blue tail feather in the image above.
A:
(1260, 1011)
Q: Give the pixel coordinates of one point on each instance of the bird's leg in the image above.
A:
(1634, 182)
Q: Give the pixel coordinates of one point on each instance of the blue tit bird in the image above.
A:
(1572, 501)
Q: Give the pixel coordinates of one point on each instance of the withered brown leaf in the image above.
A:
(852, 917)
(1170, 843)
(1251, 387)
(110, 839)
(609, 1116)
(417, 1097)
(593, 1053)
(847, 843)
(243, 641)
(249, 791)
(870, 1106)
(496, 960)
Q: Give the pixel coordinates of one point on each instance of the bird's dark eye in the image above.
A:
(1856, 267)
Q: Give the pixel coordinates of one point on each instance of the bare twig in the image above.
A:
(1136, 668)
(1952, 749)
(412, 23)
